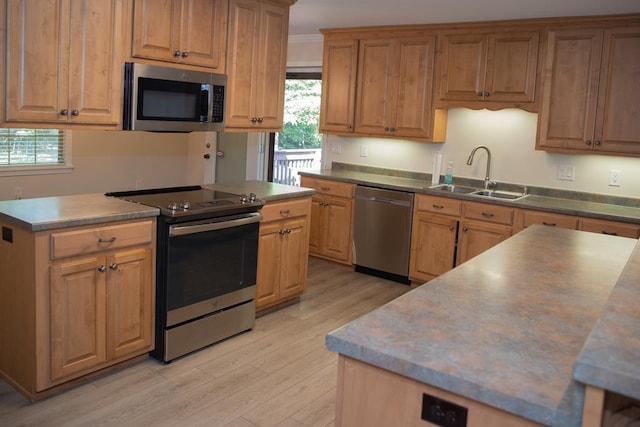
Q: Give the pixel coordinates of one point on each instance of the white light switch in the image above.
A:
(364, 150)
(566, 172)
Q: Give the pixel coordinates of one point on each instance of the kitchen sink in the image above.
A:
(498, 194)
(453, 188)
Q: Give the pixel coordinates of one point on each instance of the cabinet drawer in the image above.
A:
(488, 213)
(91, 240)
(610, 227)
(287, 209)
(440, 205)
(331, 188)
(550, 219)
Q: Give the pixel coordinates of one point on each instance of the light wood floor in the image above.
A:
(279, 374)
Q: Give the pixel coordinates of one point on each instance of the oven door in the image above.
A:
(211, 265)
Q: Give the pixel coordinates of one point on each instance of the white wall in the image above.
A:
(110, 161)
(510, 135)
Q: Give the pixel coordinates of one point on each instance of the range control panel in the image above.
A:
(443, 413)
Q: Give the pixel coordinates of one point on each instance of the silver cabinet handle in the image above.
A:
(64, 112)
(184, 54)
(113, 266)
(75, 112)
(102, 268)
(110, 240)
(176, 53)
(487, 214)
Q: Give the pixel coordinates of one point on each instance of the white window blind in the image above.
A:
(33, 151)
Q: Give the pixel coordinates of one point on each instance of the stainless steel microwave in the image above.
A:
(167, 99)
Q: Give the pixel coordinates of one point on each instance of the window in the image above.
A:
(299, 145)
(33, 151)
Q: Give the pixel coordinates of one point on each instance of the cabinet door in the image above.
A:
(243, 45)
(129, 302)
(433, 246)
(337, 229)
(570, 92)
(203, 33)
(295, 250)
(476, 237)
(156, 29)
(269, 264)
(463, 67)
(36, 61)
(270, 74)
(78, 316)
(316, 225)
(512, 60)
(411, 113)
(95, 65)
(376, 86)
(339, 71)
(617, 126)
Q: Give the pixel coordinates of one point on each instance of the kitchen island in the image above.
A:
(498, 335)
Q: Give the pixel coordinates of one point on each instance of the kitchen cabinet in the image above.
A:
(69, 71)
(256, 65)
(84, 297)
(525, 217)
(433, 237)
(339, 72)
(447, 232)
(489, 70)
(614, 228)
(482, 227)
(590, 92)
(380, 83)
(331, 227)
(395, 86)
(283, 252)
(187, 32)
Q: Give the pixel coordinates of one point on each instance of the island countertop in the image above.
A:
(505, 328)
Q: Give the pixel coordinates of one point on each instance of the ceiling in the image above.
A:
(308, 16)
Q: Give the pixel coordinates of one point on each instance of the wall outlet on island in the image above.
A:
(566, 172)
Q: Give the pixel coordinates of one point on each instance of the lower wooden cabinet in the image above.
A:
(79, 299)
(447, 232)
(613, 228)
(331, 230)
(283, 252)
(100, 310)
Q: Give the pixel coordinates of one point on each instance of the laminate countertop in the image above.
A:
(47, 213)
(506, 327)
(542, 199)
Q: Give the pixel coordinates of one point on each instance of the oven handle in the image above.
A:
(181, 230)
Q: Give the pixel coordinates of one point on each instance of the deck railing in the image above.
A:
(287, 163)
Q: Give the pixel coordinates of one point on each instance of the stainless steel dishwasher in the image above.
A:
(382, 232)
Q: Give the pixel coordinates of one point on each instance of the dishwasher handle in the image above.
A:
(384, 200)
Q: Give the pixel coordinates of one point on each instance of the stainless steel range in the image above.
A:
(206, 262)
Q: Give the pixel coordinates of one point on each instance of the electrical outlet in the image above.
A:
(18, 192)
(364, 150)
(566, 172)
(614, 178)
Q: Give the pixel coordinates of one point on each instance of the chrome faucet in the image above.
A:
(487, 178)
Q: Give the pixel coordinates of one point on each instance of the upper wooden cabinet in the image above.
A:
(380, 84)
(190, 32)
(339, 71)
(69, 70)
(395, 87)
(256, 65)
(495, 70)
(590, 96)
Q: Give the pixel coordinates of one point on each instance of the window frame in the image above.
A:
(44, 168)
